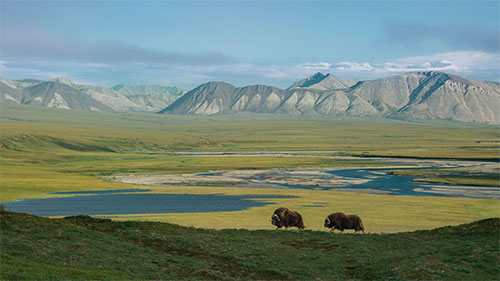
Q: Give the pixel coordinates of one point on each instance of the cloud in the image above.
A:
(466, 61)
(263, 70)
(3, 66)
(472, 64)
(317, 66)
(415, 36)
(15, 71)
(353, 66)
(457, 62)
(29, 44)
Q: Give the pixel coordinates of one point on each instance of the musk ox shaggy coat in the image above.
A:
(287, 218)
(342, 221)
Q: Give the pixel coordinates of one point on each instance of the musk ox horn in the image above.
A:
(276, 216)
(327, 220)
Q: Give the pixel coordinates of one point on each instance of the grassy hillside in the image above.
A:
(83, 248)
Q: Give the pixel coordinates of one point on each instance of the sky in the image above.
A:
(187, 43)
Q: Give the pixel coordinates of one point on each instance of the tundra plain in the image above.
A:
(48, 150)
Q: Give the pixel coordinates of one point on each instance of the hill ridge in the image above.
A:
(83, 247)
(412, 95)
(65, 94)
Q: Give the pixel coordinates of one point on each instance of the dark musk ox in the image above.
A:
(287, 218)
(342, 221)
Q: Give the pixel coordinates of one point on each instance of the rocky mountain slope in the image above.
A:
(415, 95)
(58, 93)
(153, 97)
(65, 94)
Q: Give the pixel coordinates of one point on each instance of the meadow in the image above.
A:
(46, 150)
(450, 176)
(85, 248)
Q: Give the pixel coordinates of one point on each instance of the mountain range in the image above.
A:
(409, 96)
(152, 97)
(64, 93)
(414, 95)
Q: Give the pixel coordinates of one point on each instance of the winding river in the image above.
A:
(141, 201)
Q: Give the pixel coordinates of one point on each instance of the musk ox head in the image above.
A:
(335, 220)
(327, 222)
(278, 217)
(275, 220)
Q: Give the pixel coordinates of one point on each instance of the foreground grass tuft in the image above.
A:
(83, 248)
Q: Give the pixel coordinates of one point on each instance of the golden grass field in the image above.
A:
(380, 213)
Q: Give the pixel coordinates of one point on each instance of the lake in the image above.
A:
(118, 202)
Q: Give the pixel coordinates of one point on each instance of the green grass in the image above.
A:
(83, 248)
(451, 176)
(428, 172)
(380, 213)
(483, 179)
(31, 128)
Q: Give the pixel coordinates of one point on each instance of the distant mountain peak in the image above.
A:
(214, 86)
(443, 76)
(315, 79)
(63, 80)
(118, 87)
(218, 84)
(319, 76)
(320, 81)
(147, 90)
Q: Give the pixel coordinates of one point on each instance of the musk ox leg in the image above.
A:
(359, 229)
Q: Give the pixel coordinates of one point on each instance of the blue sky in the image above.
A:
(186, 43)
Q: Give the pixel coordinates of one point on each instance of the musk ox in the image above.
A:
(287, 218)
(342, 221)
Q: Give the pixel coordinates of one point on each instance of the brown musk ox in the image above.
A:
(287, 218)
(342, 221)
